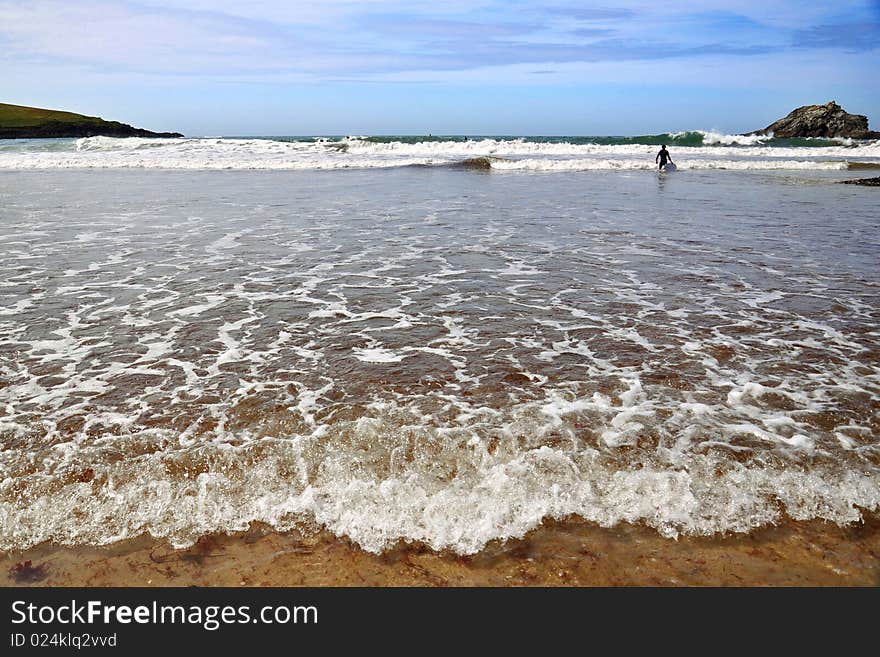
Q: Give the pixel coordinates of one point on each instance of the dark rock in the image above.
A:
(828, 120)
(56, 129)
(869, 182)
(27, 573)
(483, 163)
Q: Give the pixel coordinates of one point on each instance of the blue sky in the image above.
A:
(454, 67)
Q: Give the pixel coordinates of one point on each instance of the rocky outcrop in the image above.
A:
(483, 163)
(868, 182)
(828, 120)
(60, 129)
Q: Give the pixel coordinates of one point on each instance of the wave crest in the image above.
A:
(691, 150)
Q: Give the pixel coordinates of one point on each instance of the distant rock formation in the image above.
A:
(20, 122)
(55, 129)
(828, 120)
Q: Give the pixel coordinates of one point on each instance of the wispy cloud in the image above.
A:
(591, 13)
(332, 38)
(852, 37)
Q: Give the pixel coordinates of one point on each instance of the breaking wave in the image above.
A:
(691, 150)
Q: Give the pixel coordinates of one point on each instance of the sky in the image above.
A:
(343, 67)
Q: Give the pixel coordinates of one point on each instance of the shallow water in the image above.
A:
(431, 354)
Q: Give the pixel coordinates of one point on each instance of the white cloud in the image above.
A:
(323, 39)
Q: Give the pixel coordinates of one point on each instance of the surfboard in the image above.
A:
(669, 167)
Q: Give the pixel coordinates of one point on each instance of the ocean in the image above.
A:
(435, 340)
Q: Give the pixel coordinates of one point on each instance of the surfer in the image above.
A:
(662, 156)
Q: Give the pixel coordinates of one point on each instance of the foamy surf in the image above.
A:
(181, 496)
(713, 151)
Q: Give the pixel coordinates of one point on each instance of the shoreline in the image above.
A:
(559, 553)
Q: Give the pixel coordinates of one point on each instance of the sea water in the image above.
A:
(429, 353)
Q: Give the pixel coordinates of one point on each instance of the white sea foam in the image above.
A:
(711, 138)
(491, 497)
(581, 164)
(720, 152)
(378, 355)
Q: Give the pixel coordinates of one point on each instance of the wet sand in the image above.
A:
(570, 553)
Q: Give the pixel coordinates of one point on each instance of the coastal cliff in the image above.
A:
(828, 120)
(19, 122)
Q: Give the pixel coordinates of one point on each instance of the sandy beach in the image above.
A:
(570, 553)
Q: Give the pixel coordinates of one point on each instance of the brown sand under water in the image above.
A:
(570, 553)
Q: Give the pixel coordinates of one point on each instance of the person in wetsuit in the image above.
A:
(662, 156)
